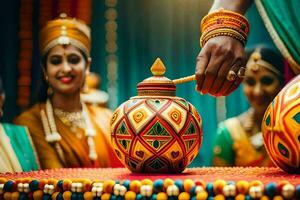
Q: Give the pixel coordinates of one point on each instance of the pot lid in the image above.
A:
(157, 85)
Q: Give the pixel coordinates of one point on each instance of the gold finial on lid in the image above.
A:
(158, 68)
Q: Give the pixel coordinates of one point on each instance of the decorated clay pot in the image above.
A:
(156, 131)
(281, 128)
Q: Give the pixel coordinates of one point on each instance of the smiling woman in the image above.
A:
(239, 139)
(66, 68)
(65, 131)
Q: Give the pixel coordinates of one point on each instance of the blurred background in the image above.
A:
(127, 37)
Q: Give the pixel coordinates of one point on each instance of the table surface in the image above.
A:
(208, 174)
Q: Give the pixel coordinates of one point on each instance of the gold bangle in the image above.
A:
(222, 32)
(216, 27)
(221, 13)
(226, 30)
(203, 41)
(241, 27)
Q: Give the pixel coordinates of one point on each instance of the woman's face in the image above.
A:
(66, 69)
(260, 87)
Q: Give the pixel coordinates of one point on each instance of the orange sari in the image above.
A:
(75, 149)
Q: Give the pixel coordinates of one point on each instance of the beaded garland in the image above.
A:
(52, 135)
(160, 189)
(119, 183)
(25, 56)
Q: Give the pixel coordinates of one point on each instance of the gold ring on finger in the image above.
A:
(231, 76)
(241, 72)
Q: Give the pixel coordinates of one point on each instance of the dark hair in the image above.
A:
(42, 86)
(270, 55)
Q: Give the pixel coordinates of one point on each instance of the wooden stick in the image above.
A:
(184, 79)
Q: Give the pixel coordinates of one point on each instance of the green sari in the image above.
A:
(282, 21)
(233, 147)
(17, 152)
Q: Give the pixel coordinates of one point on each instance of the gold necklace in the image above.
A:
(72, 119)
(255, 139)
(53, 136)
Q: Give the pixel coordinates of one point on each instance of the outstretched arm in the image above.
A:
(221, 54)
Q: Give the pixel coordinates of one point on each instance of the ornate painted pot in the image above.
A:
(156, 131)
(281, 128)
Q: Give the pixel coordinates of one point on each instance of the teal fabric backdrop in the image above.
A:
(286, 24)
(168, 29)
(147, 29)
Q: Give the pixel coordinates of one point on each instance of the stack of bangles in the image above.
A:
(224, 23)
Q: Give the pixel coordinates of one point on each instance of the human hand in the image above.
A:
(218, 58)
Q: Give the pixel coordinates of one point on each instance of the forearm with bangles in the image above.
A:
(226, 19)
(224, 22)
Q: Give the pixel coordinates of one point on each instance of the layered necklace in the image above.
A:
(80, 119)
(249, 125)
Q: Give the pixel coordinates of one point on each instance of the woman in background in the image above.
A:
(66, 131)
(239, 139)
